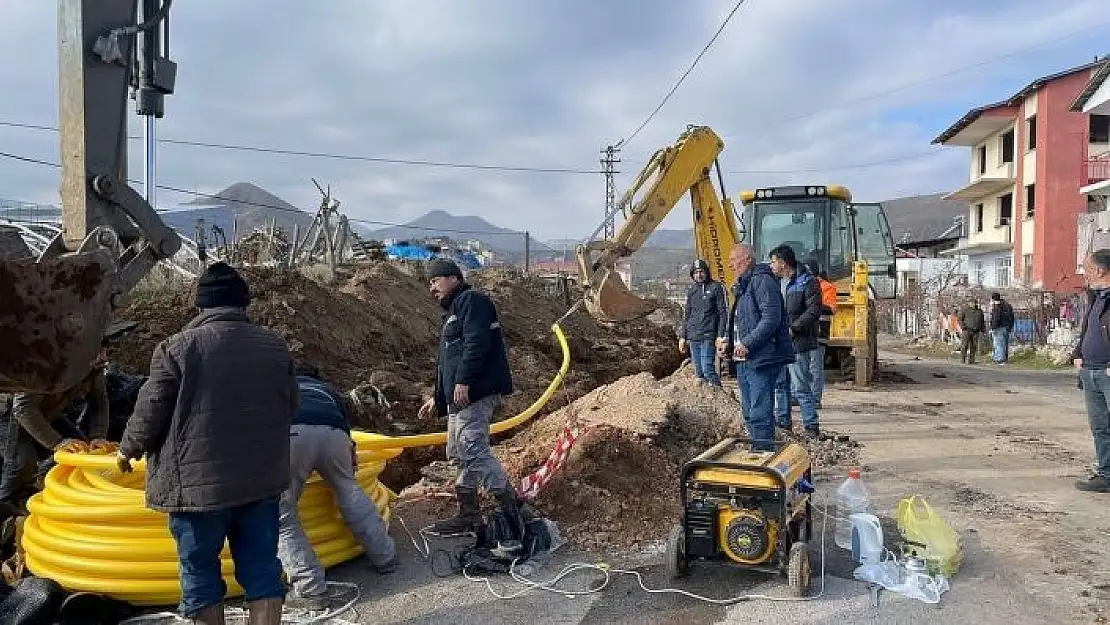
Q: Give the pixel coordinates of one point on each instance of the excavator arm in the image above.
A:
(55, 309)
(672, 172)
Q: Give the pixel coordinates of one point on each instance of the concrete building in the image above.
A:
(1027, 152)
(1094, 227)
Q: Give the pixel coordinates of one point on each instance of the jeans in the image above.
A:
(817, 370)
(800, 386)
(327, 451)
(1096, 394)
(468, 446)
(757, 402)
(783, 398)
(1001, 338)
(704, 356)
(251, 531)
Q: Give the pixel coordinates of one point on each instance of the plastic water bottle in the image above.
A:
(851, 498)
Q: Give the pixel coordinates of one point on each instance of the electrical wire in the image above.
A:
(340, 156)
(835, 106)
(607, 572)
(712, 40)
(369, 222)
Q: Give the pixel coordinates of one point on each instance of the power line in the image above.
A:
(720, 29)
(928, 79)
(887, 161)
(340, 157)
(369, 222)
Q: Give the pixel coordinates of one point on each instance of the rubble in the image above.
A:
(376, 327)
(619, 487)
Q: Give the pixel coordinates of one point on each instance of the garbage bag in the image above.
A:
(35, 601)
(939, 544)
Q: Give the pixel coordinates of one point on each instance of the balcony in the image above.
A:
(992, 182)
(992, 239)
(1096, 175)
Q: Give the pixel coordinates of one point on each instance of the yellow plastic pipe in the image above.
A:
(90, 530)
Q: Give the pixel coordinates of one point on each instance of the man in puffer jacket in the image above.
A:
(758, 341)
(802, 296)
(704, 323)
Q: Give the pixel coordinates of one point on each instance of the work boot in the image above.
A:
(467, 518)
(1095, 484)
(212, 615)
(510, 507)
(265, 611)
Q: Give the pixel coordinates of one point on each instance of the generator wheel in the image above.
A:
(799, 571)
(676, 552)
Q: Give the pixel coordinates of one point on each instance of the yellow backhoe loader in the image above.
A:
(850, 242)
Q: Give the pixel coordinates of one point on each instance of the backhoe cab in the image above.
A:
(850, 242)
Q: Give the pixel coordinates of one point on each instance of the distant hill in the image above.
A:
(462, 228)
(254, 207)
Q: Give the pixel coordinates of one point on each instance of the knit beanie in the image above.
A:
(443, 267)
(220, 285)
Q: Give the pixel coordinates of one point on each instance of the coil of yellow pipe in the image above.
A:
(90, 530)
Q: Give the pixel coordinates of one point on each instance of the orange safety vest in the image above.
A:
(828, 294)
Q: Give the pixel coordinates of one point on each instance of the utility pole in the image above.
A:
(608, 160)
(527, 251)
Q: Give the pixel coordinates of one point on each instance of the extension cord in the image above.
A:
(608, 571)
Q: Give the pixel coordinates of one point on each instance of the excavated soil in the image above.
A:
(374, 329)
(619, 487)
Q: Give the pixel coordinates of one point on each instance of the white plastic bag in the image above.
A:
(891, 576)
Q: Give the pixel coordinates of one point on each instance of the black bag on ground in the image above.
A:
(35, 601)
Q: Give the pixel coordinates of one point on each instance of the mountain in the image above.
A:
(463, 228)
(253, 206)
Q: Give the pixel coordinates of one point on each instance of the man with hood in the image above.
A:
(704, 323)
(472, 377)
(758, 342)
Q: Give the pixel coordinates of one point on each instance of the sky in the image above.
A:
(802, 91)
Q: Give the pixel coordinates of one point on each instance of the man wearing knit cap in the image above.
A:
(473, 375)
(213, 419)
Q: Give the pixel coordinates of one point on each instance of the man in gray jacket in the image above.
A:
(704, 323)
(213, 419)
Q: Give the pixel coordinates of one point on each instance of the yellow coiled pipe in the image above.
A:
(90, 530)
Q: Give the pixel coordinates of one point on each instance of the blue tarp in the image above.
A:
(408, 251)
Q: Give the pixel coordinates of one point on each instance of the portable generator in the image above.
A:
(748, 508)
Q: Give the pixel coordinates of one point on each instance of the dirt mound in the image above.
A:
(619, 487)
(375, 328)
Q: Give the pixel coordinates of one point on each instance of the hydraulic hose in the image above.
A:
(89, 529)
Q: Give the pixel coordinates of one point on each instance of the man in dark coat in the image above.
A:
(802, 297)
(972, 324)
(704, 323)
(1002, 325)
(213, 419)
(758, 342)
(473, 375)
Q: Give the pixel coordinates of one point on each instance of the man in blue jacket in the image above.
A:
(704, 323)
(473, 375)
(802, 295)
(759, 342)
(320, 441)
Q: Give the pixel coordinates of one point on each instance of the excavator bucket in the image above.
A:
(53, 313)
(609, 299)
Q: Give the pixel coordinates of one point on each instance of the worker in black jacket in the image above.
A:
(802, 296)
(704, 323)
(1002, 325)
(473, 375)
(971, 328)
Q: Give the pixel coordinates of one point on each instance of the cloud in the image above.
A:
(546, 85)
